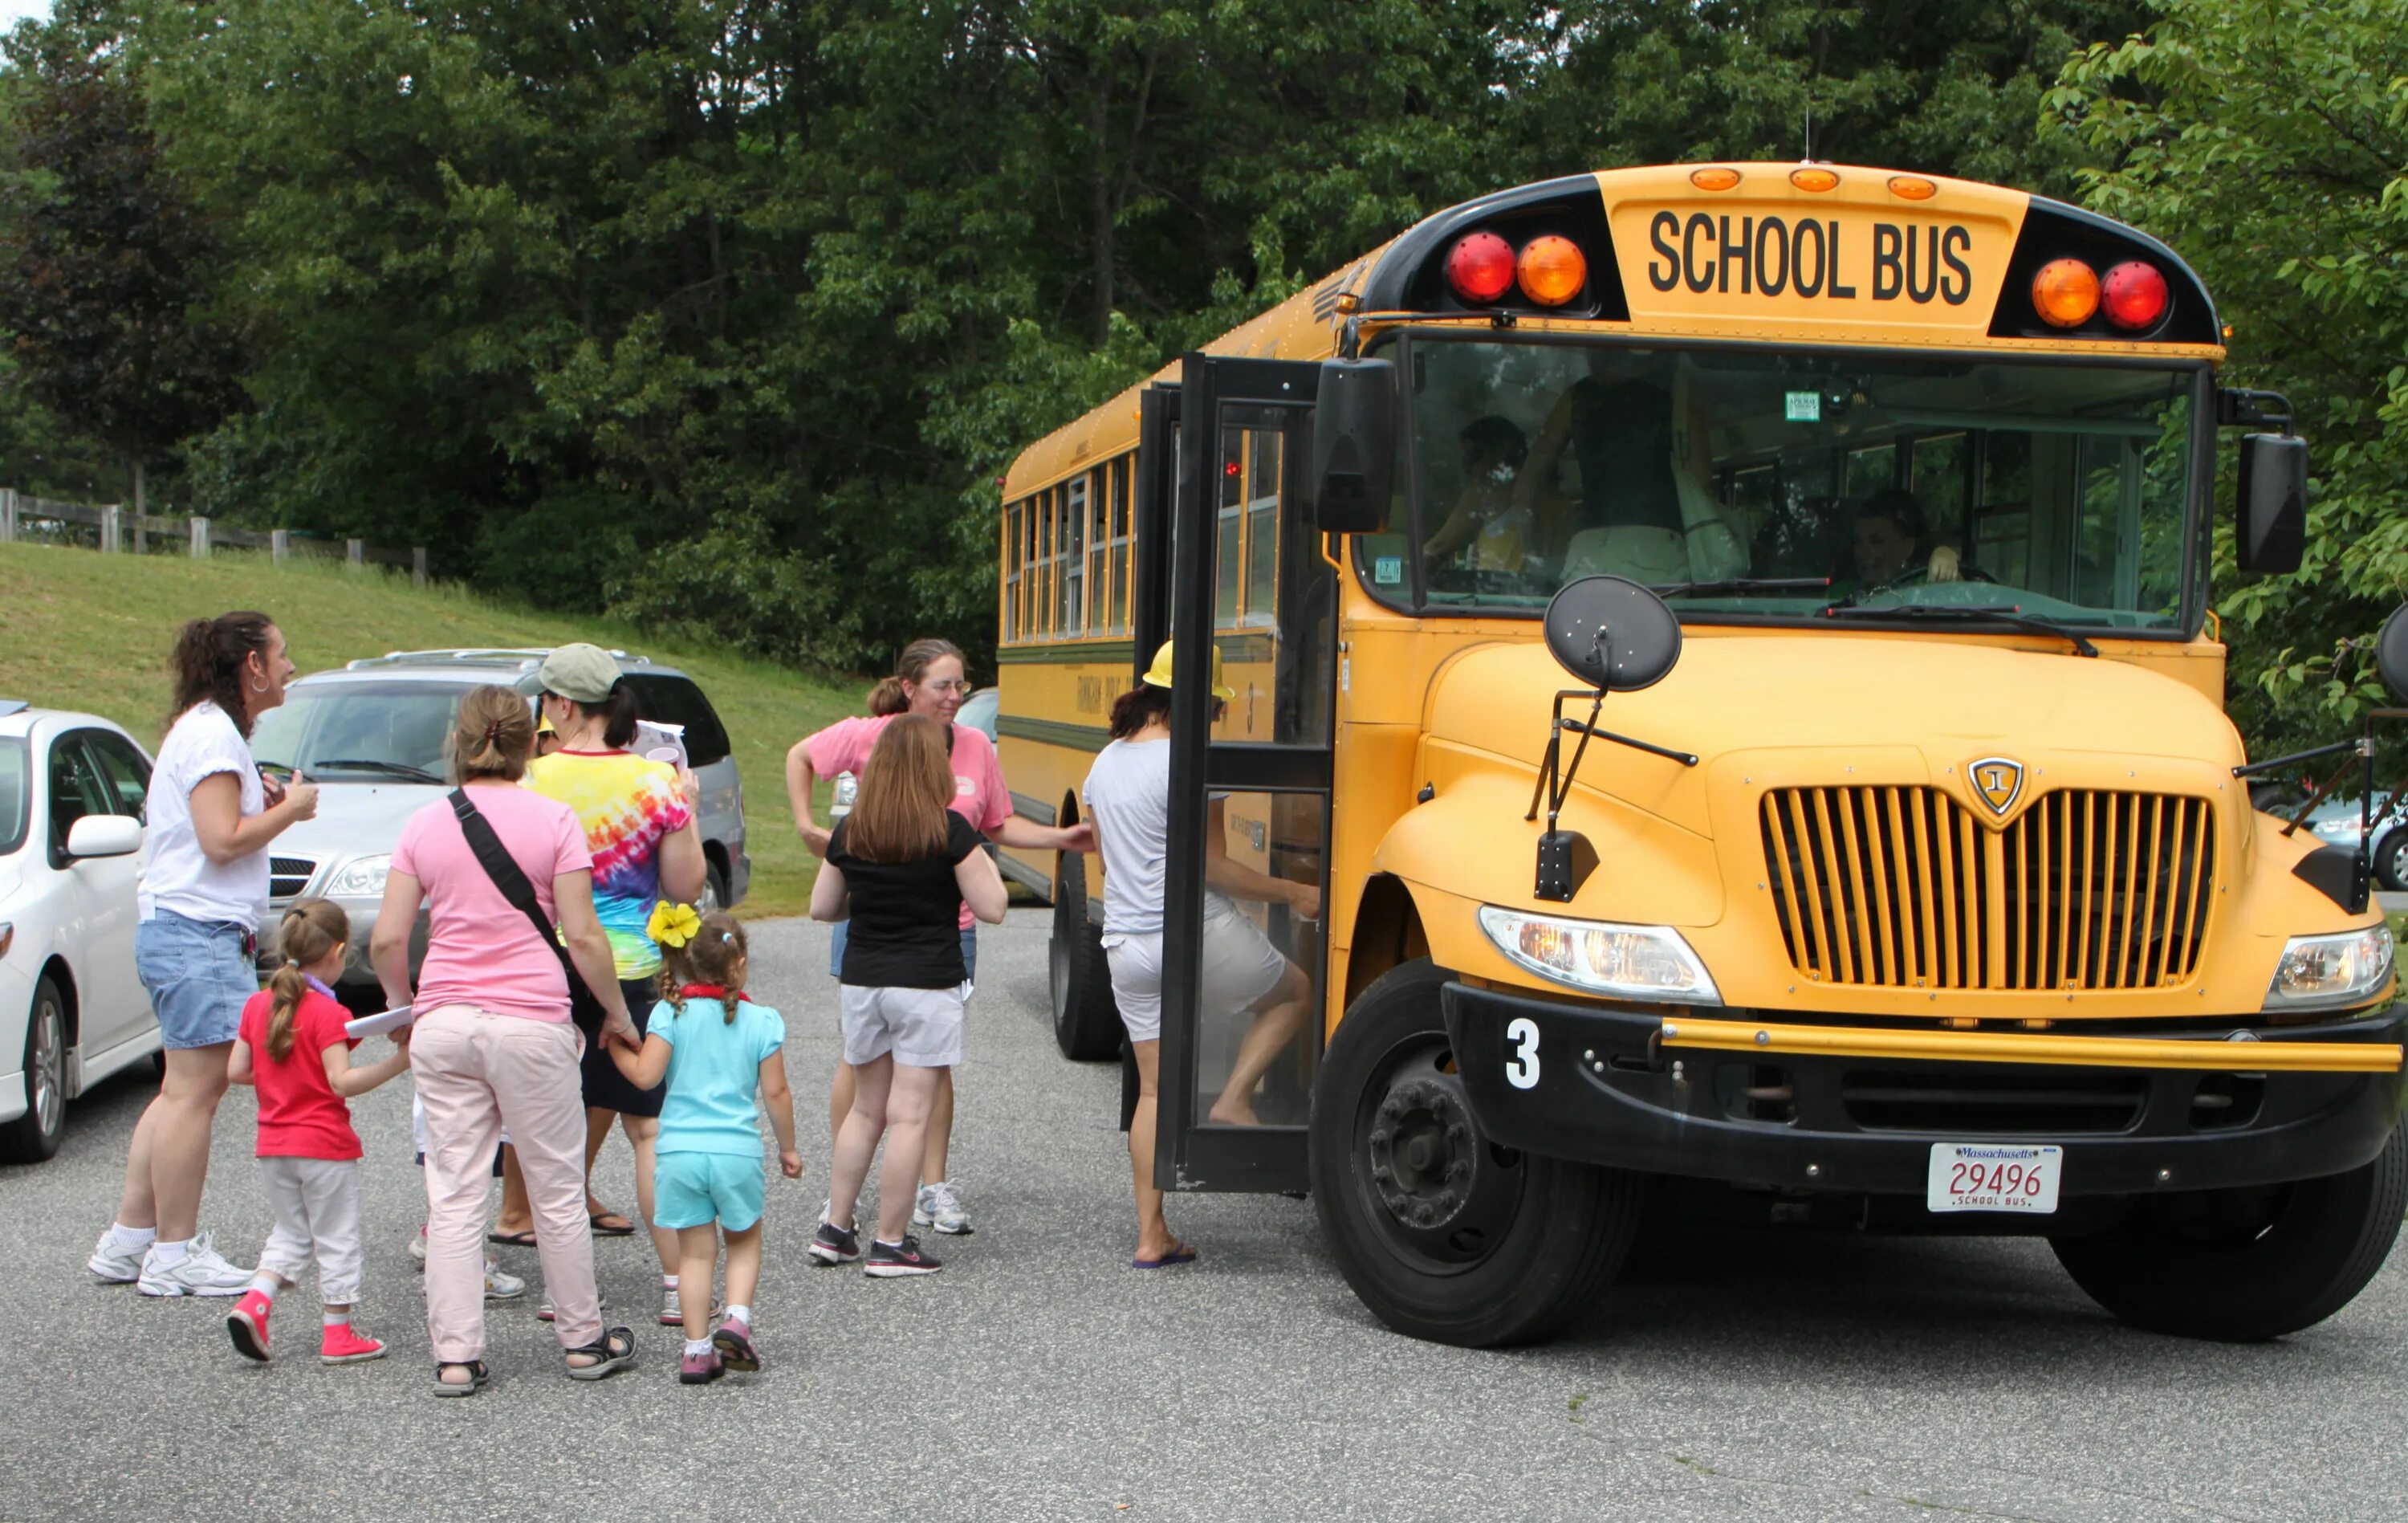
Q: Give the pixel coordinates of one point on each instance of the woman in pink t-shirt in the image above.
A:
(493, 1045)
(928, 682)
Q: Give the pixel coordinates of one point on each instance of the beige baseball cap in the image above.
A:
(580, 673)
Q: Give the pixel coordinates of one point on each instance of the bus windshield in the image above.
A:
(2056, 490)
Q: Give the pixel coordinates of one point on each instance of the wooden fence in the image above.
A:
(109, 530)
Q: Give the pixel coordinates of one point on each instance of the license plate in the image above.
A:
(1994, 1176)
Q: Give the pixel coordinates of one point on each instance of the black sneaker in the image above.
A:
(833, 1244)
(893, 1260)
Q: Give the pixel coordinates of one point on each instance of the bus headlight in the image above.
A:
(2319, 972)
(1636, 962)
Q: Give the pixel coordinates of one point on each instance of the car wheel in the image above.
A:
(34, 1136)
(714, 890)
(1087, 1022)
(1443, 1234)
(2247, 1264)
(2391, 861)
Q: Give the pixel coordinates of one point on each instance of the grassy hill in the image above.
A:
(92, 632)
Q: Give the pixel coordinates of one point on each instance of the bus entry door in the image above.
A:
(1244, 953)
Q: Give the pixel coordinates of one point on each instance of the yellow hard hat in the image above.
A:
(1158, 675)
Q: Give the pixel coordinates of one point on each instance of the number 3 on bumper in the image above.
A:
(1522, 1043)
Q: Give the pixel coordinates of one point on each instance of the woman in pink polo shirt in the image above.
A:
(494, 1044)
(928, 682)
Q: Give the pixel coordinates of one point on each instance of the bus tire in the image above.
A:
(1442, 1235)
(1087, 1022)
(2240, 1266)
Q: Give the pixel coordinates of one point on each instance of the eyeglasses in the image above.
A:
(951, 684)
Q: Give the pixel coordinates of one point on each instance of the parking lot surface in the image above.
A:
(1038, 1377)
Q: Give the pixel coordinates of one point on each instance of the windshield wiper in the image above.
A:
(1958, 614)
(1732, 584)
(415, 774)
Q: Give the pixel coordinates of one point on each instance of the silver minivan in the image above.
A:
(374, 735)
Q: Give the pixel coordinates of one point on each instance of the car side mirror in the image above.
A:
(104, 835)
(2271, 520)
(1353, 445)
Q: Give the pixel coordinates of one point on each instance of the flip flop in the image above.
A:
(601, 1220)
(512, 1240)
(1183, 1254)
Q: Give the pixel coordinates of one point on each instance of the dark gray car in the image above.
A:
(374, 736)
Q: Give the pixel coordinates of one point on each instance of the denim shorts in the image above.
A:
(198, 976)
(836, 948)
(694, 1189)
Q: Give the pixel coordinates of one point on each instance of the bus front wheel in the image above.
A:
(2242, 1265)
(1087, 1023)
(1442, 1234)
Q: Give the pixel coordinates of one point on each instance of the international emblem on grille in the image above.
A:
(1998, 782)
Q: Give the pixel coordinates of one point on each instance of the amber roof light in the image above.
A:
(1813, 179)
(2065, 293)
(1716, 178)
(1911, 188)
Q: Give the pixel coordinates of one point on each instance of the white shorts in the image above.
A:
(923, 1027)
(1241, 966)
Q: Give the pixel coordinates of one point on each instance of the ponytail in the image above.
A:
(710, 955)
(619, 715)
(310, 930)
(286, 988)
(888, 697)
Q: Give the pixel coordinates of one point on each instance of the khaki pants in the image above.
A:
(316, 1202)
(475, 1073)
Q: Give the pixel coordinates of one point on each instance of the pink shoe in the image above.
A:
(341, 1345)
(247, 1324)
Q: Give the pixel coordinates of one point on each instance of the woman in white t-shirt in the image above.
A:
(211, 814)
(1128, 801)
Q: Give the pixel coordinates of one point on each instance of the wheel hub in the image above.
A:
(1434, 1172)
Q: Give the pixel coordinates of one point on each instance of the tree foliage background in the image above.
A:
(725, 314)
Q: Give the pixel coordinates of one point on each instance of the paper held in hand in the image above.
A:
(661, 742)
(378, 1025)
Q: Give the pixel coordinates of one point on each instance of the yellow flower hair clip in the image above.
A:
(673, 925)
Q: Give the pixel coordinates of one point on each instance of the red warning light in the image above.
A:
(1481, 268)
(2134, 295)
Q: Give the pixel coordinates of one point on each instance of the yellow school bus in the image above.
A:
(1730, 644)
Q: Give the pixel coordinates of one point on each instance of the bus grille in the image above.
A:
(1904, 887)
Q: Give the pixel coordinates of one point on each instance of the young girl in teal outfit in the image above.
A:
(717, 1049)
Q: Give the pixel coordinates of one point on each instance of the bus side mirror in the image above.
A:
(2271, 520)
(1353, 445)
(2391, 652)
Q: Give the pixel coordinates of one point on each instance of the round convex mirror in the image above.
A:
(2391, 652)
(1610, 632)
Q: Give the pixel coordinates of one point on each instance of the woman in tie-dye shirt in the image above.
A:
(640, 819)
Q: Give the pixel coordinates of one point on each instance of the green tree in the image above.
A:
(106, 265)
(2267, 143)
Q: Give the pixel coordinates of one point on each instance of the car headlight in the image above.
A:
(2320, 972)
(360, 879)
(1636, 962)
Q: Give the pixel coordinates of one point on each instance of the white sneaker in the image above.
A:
(113, 1263)
(940, 1206)
(417, 1248)
(501, 1286)
(673, 1309)
(201, 1273)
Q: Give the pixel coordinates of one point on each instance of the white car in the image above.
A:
(72, 1011)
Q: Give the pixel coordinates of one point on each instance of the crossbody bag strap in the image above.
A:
(504, 870)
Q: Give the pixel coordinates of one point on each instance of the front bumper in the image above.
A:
(1801, 1110)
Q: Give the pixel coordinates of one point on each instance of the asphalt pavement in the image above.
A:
(1040, 1377)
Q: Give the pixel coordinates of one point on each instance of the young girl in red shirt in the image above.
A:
(293, 1046)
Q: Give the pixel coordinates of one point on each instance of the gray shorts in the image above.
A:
(921, 1028)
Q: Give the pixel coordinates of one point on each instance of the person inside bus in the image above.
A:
(1127, 795)
(1486, 516)
(1892, 543)
(1643, 455)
